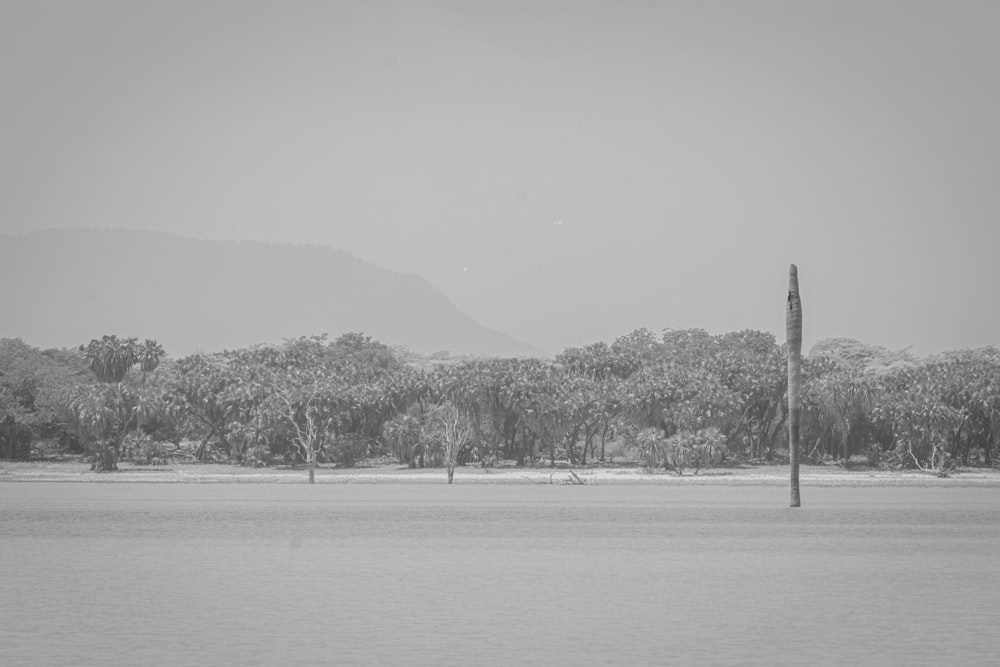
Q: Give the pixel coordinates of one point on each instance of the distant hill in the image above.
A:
(60, 288)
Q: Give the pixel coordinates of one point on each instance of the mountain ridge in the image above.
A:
(66, 286)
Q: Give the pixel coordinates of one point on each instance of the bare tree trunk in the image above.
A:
(793, 330)
(10, 428)
(451, 472)
(200, 452)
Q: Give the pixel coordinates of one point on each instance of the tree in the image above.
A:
(33, 385)
(752, 367)
(206, 391)
(793, 326)
(681, 450)
(16, 398)
(546, 405)
(111, 358)
(634, 350)
(650, 443)
(308, 400)
(836, 408)
(970, 382)
(110, 409)
(682, 392)
(454, 433)
(404, 434)
(941, 411)
(309, 403)
(595, 380)
(707, 446)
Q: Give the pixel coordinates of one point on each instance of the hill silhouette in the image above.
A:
(63, 287)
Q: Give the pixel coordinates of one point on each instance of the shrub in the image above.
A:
(346, 450)
(650, 445)
(698, 449)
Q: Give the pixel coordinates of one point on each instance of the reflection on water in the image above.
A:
(123, 574)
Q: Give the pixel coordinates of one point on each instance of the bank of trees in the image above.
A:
(678, 401)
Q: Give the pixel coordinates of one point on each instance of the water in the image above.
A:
(184, 574)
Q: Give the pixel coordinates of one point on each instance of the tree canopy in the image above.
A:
(679, 400)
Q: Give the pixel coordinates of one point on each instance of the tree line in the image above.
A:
(679, 401)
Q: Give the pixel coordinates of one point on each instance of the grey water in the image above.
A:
(253, 574)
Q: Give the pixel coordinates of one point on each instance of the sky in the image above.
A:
(565, 172)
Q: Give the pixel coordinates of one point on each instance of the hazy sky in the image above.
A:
(690, 150)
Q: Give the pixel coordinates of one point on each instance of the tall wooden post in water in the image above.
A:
(793, 330)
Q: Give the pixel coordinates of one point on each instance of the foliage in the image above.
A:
(650, 444)
(207, 392)
(453, 431)
(111, 358)
(681, 400)
(681, 450)
(405, 435)
(33, 386)
(694, 449)
(104, 413)
(943, 410)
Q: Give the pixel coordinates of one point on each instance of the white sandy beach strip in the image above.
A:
(390, 474)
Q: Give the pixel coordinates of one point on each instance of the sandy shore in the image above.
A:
(394, 474)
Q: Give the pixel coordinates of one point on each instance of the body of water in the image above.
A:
(251, 574)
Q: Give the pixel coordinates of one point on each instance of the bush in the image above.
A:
(346, 450)
(697, 449)
(649, 444)
(144, 450)
(256, 456)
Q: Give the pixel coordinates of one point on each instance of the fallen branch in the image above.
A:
(573, 479)
(939, 461)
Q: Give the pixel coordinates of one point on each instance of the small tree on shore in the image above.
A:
(454, 432)
(307, 403)
(650, 445)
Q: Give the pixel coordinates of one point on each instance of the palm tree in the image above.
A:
(793, 330)
(148, 356)
(111, 358)
(404, 433)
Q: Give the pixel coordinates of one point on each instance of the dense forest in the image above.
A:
(679, 401)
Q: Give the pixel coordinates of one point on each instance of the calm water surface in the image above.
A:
(130, 574)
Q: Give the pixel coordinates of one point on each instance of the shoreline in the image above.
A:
(217, 473)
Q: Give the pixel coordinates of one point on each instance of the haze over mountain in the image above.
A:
(565, 172)
(65, 287)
